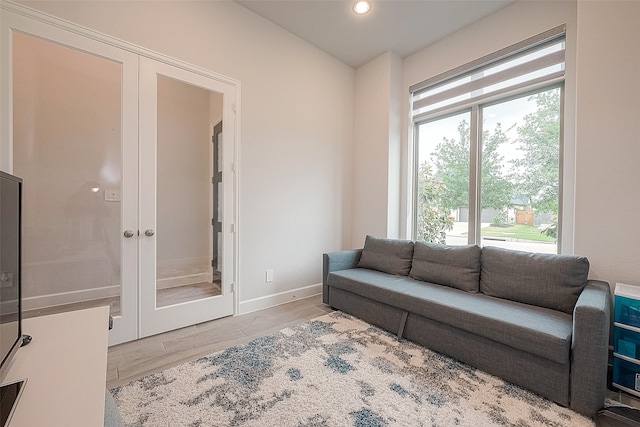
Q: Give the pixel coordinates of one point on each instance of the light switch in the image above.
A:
(111, 195)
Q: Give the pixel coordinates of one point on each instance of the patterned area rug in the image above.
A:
(335, 370)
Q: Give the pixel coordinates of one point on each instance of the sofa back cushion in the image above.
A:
(544, 280)
(387, 255)
(454, 266)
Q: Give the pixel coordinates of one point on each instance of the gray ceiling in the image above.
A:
(402, 26)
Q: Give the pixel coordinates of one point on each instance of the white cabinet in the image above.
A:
(65, 366)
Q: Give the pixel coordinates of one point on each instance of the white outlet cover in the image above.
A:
(112, 195)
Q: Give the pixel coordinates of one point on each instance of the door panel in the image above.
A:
(74, 143)
(177, 108)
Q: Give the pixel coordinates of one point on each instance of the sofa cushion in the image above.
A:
(455, 266)
(376, 285)
(536, 330)
(388, 255)
(545, 280)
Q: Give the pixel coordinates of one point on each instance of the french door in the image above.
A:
(176, 198)
(115, 150)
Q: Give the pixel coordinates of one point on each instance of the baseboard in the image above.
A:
(279, 298)
(52, 300)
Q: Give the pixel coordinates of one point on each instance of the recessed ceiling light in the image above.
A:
(361, 7)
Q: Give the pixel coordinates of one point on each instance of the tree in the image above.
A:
(433, 220)
(538, 171)
(497, 189)
(452, 160)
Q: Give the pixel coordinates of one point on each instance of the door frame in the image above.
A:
(154, 319)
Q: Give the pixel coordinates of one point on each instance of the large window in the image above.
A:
(487, 150)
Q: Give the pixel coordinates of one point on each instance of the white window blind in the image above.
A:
(537, 60)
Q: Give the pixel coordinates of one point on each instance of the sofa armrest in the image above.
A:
(112, 416)
(336, 261)
(590, 348)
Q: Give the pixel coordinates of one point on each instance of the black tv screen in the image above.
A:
(10, 289)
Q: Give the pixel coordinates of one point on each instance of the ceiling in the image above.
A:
(401, 26)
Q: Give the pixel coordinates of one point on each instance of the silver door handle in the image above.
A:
(149, 232)
(128, 233)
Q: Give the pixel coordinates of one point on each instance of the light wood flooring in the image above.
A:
(170, 296)
(136, 359)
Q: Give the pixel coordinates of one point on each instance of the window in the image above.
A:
(487, 149)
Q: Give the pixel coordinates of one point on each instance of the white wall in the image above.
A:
(296, 127)
(607, 229)
(377, 148)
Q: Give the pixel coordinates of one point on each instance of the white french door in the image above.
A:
(116, 156)
(70, 130)
(176, 196)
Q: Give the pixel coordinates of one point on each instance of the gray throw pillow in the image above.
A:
(387, 255)
(545, 280)
(454, 266)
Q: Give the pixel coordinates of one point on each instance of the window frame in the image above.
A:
(475, 159)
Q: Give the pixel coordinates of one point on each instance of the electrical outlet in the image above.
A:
(268, 276)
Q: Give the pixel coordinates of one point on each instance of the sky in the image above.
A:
(507, 113)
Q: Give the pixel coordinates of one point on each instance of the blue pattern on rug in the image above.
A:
(333, 371)
(245, 365)
(366, 418)
(338, 364)
(294, 374)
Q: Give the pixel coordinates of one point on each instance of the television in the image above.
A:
(11, 337)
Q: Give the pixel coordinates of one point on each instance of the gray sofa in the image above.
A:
(532, 319)
(112, 416)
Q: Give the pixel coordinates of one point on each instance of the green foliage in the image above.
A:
(499, 220)
(497, 190)
(452, 160)
(433, 220)
(551, 229)
(517, 232)
(534, 176)
(452, 163)
(537, 175)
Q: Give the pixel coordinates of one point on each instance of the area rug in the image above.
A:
(335, 370)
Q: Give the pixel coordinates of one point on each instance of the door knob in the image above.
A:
(149, 232)
(128, 233)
